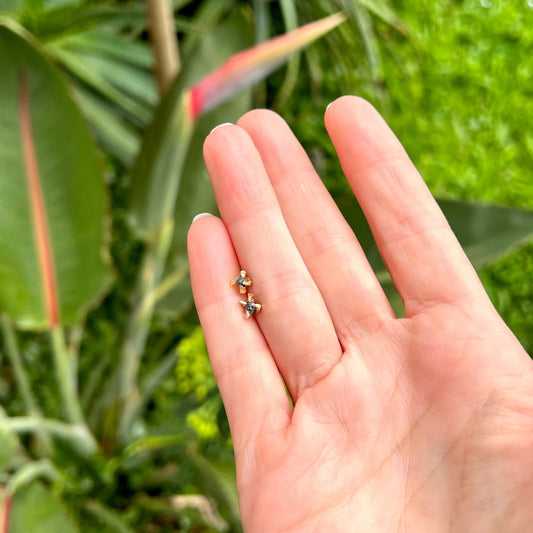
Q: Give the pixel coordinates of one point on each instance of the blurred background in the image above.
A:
(111, 420)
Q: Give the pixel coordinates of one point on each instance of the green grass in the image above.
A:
(462, 102)
(457, 90)
(461, 97)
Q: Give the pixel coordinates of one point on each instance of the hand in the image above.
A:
(415, 424)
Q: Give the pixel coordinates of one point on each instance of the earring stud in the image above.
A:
(251, 307)
(242, 281)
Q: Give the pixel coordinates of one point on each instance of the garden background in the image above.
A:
(110, 418)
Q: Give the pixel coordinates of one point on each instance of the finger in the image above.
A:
(294, 318)
(248, 379)
(421, 252)
(326, 242)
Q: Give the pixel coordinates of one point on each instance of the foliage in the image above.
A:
(100, 431)
(128, 432)
(453, 85)
(461, 102)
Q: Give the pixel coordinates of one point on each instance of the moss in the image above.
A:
(456, 89)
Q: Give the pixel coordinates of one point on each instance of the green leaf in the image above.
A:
(195, 194)
(155, 181)
(96, 74)
(35, 508)
(369, 38)
(290, 18)
(381, 9)
(49, 22)
(486, 232)
(157, 172)
(254, 64)
(163, 153)
(112, 131)
(52, 196)
(112, 60)
(111, 45)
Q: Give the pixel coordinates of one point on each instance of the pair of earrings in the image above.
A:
(250, 306)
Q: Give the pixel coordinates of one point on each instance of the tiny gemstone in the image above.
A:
(241, 282)
(251, 307)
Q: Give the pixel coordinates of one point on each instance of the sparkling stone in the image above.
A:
(251, 307)
(241, 282)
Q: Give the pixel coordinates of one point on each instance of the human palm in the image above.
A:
(423, 423)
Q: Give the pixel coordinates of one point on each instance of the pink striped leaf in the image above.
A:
(157, 177)
(52, 195)
(254, 64)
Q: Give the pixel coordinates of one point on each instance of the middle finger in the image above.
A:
(294, 318)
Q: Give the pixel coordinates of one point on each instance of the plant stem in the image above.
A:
(106, 516)
(29, 472)
(78, 435)
(139, 325)
(66, 377)
(21, 376)
(152, 381)
(15, 359)
(168, 283)
(164, 42)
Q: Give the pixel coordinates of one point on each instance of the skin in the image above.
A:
(422, 423)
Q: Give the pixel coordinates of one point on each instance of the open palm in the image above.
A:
(422, 423)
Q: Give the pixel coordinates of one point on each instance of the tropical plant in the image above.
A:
(54, 244)
(99, 290)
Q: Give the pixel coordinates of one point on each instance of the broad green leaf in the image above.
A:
(112, 131)
(486, 232)
(86, 69)
(112, 60)
(195, 193)
(48, 22)
(111, 45)
(37, 509)
(52, 197)
(157, 173)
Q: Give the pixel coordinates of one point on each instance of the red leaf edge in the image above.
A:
(40, 223)
(6, 513)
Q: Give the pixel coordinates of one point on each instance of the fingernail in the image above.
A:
(200, 215)
(220, 125)
(327, 107)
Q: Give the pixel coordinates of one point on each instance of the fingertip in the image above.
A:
(348, 105)
(198, 231)
(201, 215)
(213, 135)
(221, 138)
(223, 124)
(259, 118)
